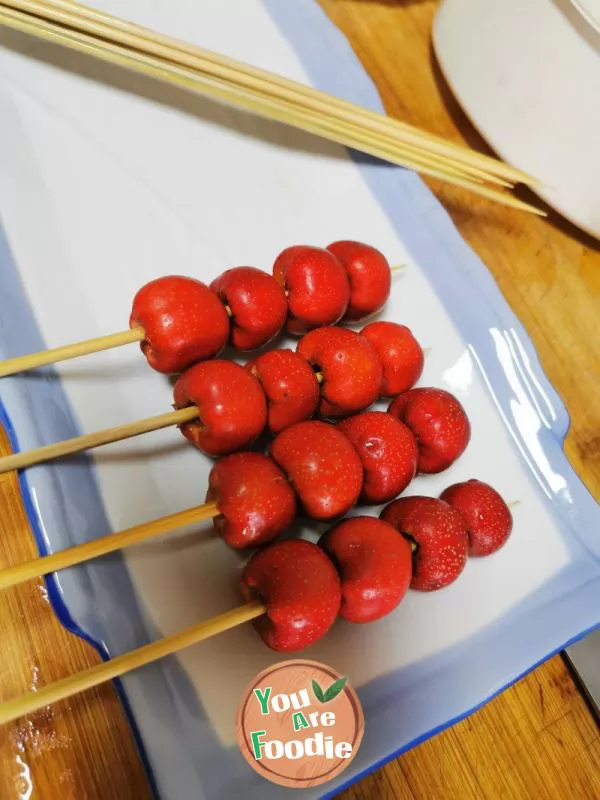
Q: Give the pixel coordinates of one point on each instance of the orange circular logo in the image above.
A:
(299, 723)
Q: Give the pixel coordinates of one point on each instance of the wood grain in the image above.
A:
(535, 740)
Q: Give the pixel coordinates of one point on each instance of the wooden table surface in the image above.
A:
(538, 739)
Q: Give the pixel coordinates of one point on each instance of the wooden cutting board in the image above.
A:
(537, 739)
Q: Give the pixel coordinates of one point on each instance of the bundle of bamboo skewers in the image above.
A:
(102, 36)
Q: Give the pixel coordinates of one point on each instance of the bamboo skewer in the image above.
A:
(91, 440)
(38, 567)
(104, 545)
(12, 366)
(23, 363)
(121, 665)
(211, 63)
(257, 104)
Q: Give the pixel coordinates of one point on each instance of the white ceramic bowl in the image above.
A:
(527, 73)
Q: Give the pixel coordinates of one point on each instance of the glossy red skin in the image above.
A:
(316, 284)
(439, 423)
(440, 535)
(322, 466)
(374, 563)
(488, 518)
(369, 275)
(290, 385)
(301, 590)
(183, 321)
(257, 303)
(351, 369)
(255, 500)
(388, 452)
(232, 406)
(400, 354)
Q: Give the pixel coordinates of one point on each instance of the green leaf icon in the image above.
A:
(334, 689)
(318, 692)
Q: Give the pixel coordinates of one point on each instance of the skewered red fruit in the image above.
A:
(290, 385)
(438, 535)
(400, 354)
(388, 452)
(316, 284)
(255, 501)
(257, 304)
(350, 367)
(439, 423)
(488, 518)
(301, 590)
(183, 321)
(232, 409)
(374, 563)
(369, 275)
(322, 466)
